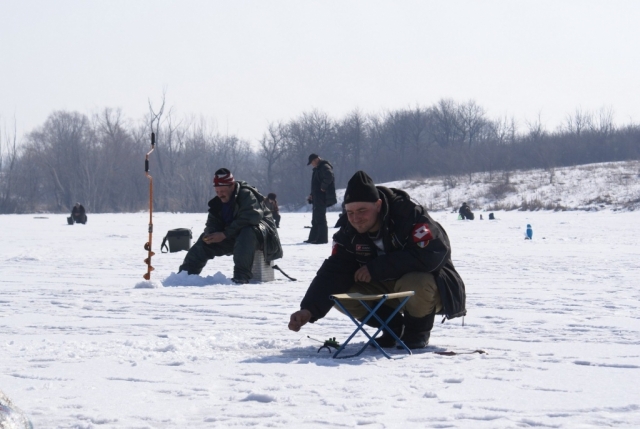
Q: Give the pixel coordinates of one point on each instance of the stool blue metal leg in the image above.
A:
(386, 322)
(360, 327)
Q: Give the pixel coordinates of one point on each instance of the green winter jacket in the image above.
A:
(249, 210)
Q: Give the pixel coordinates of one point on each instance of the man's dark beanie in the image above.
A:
(361, 189)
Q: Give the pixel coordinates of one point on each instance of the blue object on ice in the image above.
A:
(529, 233)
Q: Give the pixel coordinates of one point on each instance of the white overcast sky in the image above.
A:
(244, 64)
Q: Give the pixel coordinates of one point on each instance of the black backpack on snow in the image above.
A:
(179, 239)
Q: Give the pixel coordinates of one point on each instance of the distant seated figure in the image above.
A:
(465, 212)
(272, 204)
(78, 214)
(342, 219)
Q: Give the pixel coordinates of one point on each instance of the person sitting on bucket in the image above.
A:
(272, 204)
(390, 244)
(238, 224)
(79, 214)
(465, 212)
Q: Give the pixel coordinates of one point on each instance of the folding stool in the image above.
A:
(403, 296)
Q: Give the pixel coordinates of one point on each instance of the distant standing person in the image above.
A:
(78, 214)
(272, 204)
(465, 212)
(323, 195)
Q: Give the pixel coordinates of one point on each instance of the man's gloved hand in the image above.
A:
(299, 319)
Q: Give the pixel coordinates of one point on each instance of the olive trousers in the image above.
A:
(424, 302)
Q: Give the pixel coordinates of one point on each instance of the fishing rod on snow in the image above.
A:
(147, 245)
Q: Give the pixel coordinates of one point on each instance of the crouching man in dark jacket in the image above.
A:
(238, 224)
(390, 244)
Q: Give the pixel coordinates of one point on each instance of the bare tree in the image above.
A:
(272, 147)
(472, 120)
(604, 121)
(8, 160)
(119, 181)
(447, 126)
(351, 136)
(579, 122)
(199, 164)
(60, 147)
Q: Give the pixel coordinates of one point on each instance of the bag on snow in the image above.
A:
(179, 239)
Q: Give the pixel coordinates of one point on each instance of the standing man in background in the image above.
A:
(323, 195)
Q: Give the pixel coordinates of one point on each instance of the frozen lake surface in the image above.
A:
(82, 347)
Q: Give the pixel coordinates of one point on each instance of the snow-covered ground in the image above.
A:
(83, 347)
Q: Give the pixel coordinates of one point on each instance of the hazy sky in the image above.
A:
(244, 64)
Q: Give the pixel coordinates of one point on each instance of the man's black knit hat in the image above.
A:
(361, 189)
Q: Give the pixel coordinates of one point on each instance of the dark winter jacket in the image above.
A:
(342, 219)
(323, 188)
(272, 205)
(78, 211)
(465, 212)
(78, 214)
(413, 241)
(249, 210)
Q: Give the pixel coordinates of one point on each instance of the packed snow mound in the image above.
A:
(148, 284)
(184, 279)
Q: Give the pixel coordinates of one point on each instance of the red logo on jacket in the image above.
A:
(421, 234)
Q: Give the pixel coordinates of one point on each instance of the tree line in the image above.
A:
(98, 159)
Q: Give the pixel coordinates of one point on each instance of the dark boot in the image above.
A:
(417, 330)
(396, 325)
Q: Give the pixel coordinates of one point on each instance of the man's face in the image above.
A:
(315, 162)
(224, 192)
(363, 216)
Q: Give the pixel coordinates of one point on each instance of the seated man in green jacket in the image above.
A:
(238, 224)
(389, 244)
